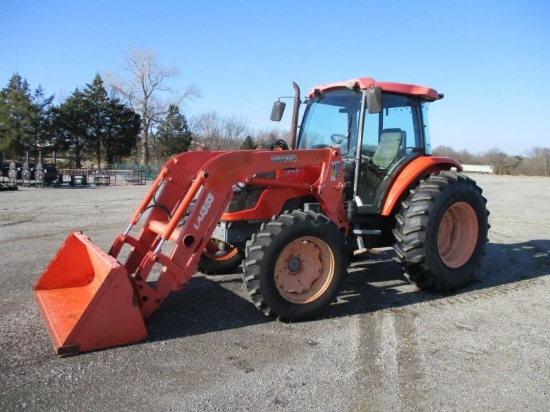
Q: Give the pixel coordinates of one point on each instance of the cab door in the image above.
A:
(391, 139)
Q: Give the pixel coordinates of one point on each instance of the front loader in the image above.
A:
(358, 175)
(90, 300)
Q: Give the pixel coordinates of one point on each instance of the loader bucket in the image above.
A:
(87, 300)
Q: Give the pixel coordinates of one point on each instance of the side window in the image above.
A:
(371, 133)
(389, 138)
(427, 142)
(399, 114)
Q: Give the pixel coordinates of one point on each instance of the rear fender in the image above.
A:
(415, 170)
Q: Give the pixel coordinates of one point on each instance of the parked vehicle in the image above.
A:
(21, 171)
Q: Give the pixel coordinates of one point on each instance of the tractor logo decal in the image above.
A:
(284, 158)
(204, 210)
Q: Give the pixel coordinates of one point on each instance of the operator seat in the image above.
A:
(390, 148)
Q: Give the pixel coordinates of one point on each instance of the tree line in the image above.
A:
(535, 161)
(134, 117)
(88, 125)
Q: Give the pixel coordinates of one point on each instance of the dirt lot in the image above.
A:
(383, 346)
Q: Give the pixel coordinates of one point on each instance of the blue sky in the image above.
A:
(491, 59)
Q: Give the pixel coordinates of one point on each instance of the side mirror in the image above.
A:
(277, 111)
(374, 100)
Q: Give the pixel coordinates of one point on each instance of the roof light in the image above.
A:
(313, 92)
(351, 84)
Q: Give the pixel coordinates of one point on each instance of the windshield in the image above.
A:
(331, 120)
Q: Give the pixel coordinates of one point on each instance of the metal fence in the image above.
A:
(112, 175)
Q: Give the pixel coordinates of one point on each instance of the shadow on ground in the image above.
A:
(374, 283)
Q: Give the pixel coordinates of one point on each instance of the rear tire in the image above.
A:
(441, 232)
(295, 265)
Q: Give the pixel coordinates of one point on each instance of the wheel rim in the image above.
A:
(304, 270)
(216, 250)
(457, 235)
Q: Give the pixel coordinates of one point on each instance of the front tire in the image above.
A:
(441, 232)
(295, 265)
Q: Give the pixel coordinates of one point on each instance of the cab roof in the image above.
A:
(366, 82)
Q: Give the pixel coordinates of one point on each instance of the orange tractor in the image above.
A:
(358, 175)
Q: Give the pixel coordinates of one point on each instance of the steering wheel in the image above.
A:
(338, 138)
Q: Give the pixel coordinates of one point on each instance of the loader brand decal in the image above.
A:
(334, 171)
(284, 158)
(204, 210)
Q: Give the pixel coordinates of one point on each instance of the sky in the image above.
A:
(491, 59)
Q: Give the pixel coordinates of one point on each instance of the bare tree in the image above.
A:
(145, 87)
(502, 163)
(266, 137)
(207, 129)
(219, 133)
(537, 162)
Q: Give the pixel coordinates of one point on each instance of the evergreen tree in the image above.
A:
(122, 131)
(70, 122)
(248, 143)
(96, 106)
(113, 127)
(41, 122)
(24, 118)
(91, 122)
(173, 133)
(15, 117)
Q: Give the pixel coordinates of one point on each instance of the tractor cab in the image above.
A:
(379, 130)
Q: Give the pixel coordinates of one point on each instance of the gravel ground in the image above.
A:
(383, 346)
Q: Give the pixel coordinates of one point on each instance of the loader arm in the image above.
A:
(211, 189)
(174, 223)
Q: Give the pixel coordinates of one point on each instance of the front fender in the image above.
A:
(416, 169)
